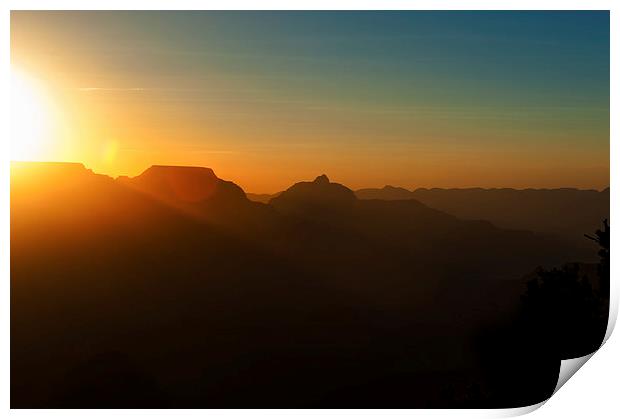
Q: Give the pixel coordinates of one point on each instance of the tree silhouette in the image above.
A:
(562, 316)
(602, 238)
(563, 311)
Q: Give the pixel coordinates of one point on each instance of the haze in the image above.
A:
(415, 99)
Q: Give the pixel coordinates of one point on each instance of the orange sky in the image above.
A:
(267, 100)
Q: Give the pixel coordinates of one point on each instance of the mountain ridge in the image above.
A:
(145, 277)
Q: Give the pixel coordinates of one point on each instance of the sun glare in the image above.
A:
(30, 118)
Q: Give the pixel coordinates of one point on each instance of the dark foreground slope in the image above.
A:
(172, 289)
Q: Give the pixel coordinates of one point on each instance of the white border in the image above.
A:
(312, 5)
(593, 393)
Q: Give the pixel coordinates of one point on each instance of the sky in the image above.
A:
(266, 99)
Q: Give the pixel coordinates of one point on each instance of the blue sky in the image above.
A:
(418, 96)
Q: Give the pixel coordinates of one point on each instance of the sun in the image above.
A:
(30, 118)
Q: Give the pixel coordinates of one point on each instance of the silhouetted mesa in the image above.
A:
(185, 184)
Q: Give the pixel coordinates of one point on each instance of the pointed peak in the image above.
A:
(321, 179)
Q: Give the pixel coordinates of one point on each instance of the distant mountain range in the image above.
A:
(388, 193)
(569, 212)
(261, 197)
(173, 282)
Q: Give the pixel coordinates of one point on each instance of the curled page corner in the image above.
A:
(613, 316)
(519, 411)
(569, 367)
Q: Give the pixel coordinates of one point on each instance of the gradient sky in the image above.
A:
(415, 99)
